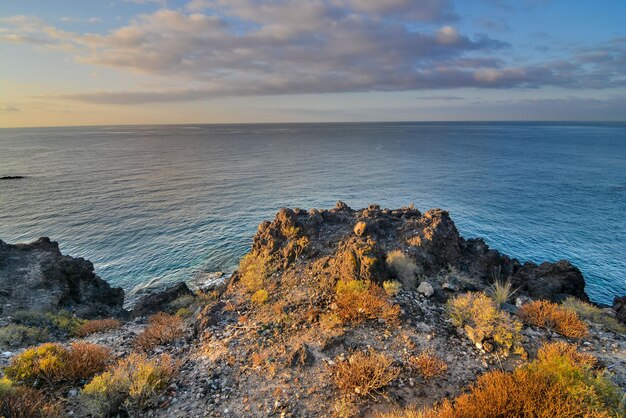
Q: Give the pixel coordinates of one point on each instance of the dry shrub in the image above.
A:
(554, 385)
(359, 300)
(594, 314)
(254, 269)
(403, 267)
(52, 365)
(392, 287)
(132, 385)
(365, 373)
(23, 402)
(260, 296)
(97, 325)
(16, 335)
(484, 323)
(501, 291)
(545, 314)
(162, 329)
(428, 364)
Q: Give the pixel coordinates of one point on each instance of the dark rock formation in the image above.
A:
(159, 301)
(11, 177)
(619, 306)
(357, 242)
(38, 277)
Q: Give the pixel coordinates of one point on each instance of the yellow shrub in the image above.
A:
(97, 325)
(554, 385)
(549, 315)
(428, 364)
(254, 269)
(52, 364)
(403, 267)
(365, 373)
(484, 323)
(22, 402)
(594, 314)
(392, 287)
(358, 300)
(132, 385)
(162, 329)
(260, 296)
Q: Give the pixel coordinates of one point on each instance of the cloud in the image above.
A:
(9, 109)
(70, 19)
(217, 48)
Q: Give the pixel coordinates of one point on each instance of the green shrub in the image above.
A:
(132, 385)
(260, 296)
(184, 301)
(61, 322)
(15, 336)
(392, 287)
(593, 314)
(403, 267)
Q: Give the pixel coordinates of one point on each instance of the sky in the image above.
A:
(87, 62)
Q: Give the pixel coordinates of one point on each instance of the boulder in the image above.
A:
(159, 301)
(38, 277)
(426, 289)
(619, 306)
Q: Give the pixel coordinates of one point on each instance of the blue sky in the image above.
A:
(193, 61)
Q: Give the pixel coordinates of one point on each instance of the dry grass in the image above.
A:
(428, 364)
(403, 267)
(22, 402)
(557, 384)
(162, 329)
(97, 325)
(359, 300)
(53, 366)
(501, 291)
(132, 385)
(365, 373)
(484, 323)
(594, 314)
(549, 315)
(254, 269)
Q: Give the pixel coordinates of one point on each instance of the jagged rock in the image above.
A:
(158, 301)
(552, 281)
(38, 277)
(619, 306)
(426, 289)
(359, 228)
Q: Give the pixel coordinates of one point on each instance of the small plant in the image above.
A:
(428, 364)
(162, 329)
(403, 267)
(501, 291)
(62, 322)
(97, 325)
(594, 314)
(359, 300)
(22, 402)
(52, 365)
(184, 312)
(542, 313)
(392, 287)
(254, 269)
(184, 301)
(14, 336)
(365, 373)
(132, 385)
(484, 323)
(260, 296)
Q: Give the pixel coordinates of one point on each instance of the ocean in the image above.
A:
(152, 205)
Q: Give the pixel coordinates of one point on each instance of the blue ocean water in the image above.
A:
(158, 204)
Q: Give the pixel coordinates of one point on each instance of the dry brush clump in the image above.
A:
(405, 269)
(594, 314)
(364, 373)
(254, 269)
(130, 386)
(545, 314)
(359, 300)
(559, 383)
(97, 325)
(428, 364)
(24, 402)
(53, 366)
(501, 291)
(162, 329)
(484, 323)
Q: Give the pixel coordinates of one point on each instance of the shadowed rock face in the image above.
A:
(38, 277)
(358, 240)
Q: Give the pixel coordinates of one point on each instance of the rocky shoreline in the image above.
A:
(272, 338)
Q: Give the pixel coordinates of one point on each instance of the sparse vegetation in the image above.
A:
(392, 287)
(501, 291)
(593, 314)
(260, 296)
(184, 301)
(162, 329)
(15, 335)
(484, 323)
(365, 373)
(131, 386)
(97, 325)
(359, 300)
(254, 269)
(549, 315)
(428, 364)
(405, 269)
(62, 322)
(560, 383)
(51, 365)
(23, 402)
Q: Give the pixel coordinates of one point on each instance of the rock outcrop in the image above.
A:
(37, 277)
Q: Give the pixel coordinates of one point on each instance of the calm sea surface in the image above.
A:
(157, 204)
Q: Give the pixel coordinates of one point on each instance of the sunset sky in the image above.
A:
(85, 62)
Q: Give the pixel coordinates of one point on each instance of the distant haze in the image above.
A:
(213, 61)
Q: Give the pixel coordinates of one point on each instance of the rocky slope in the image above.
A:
(272, 339)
